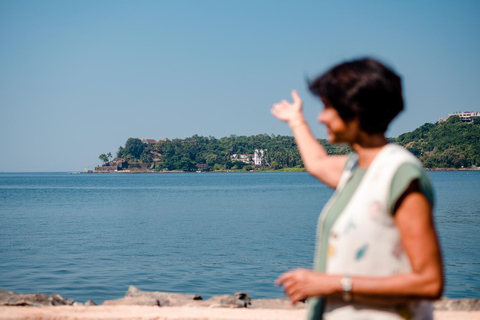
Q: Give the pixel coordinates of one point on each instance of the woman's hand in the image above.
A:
(315, 158)
(289, 112)
(300, 284)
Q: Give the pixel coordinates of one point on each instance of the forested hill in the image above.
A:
(449, 144)
(210, 153)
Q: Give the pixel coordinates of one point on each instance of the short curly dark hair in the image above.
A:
(364, 89)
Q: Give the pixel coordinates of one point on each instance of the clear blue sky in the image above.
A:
(78, 78)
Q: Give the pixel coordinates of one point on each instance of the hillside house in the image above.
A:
(466, 116)
(258, 158)
(148, 141)
(201, 166)
(245, 158)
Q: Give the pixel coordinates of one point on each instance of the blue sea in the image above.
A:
(90, 236)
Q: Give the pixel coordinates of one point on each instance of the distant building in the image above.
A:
(148, 141)
(245, 158)
(466, 116)
(201, 166)
(117, 164)
(259, 157)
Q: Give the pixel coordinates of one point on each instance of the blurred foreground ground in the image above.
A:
(177, 313)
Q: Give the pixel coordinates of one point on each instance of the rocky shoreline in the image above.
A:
(139, 304)
(135, 296)
(138, 297)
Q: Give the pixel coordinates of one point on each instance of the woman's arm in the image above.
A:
(415, 222)
(318, 163)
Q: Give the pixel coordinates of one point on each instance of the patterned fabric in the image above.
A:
(364, 239)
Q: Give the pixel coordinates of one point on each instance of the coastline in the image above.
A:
(177, 171)
(143, 305)
(259, 171)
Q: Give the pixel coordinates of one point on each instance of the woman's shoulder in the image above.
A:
(401, 154)
(406, 174)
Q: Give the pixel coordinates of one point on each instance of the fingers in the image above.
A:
(284, 103)
(294, 291)
(289, 282)
(276, 110)
(280, 110)
(300, 284)
(284, 277)
(293, 275)
(296, 297)
(294, 284)
(296, 98)
(280, 106)
(285, 110)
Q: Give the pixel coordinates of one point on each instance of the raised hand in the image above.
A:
(289, 112)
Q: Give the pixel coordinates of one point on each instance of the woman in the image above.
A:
(377, 253)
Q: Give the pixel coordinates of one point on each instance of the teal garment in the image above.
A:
(405, 175)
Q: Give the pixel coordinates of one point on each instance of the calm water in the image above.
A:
(89, 236)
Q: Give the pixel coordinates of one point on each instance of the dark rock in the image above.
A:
(238, 300)
(457, 305)
(164, 298)
(90, 303)
(10, 298)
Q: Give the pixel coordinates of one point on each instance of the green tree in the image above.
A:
(238, 165)
(218, 167)
(186, 164)
(121, 152)
(275, 165)
(103, 157)
(134, 147)
(211, 160)
(448, 144)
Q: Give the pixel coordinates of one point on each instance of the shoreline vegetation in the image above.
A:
(442, 146)
(258, 171)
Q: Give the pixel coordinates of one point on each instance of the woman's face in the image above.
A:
(338, 130)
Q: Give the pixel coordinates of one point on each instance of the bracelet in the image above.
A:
(346, 283)
(297, 123)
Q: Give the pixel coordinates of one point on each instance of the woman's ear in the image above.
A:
(354, 125)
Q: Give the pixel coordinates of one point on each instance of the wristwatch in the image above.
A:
(346, 283)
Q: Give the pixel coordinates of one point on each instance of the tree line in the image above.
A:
(215, 154)
(449, 144)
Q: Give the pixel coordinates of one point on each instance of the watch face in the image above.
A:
(346, 283)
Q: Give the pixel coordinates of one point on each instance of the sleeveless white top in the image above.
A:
(364, 240)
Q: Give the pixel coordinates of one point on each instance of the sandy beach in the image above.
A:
(177, 313)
